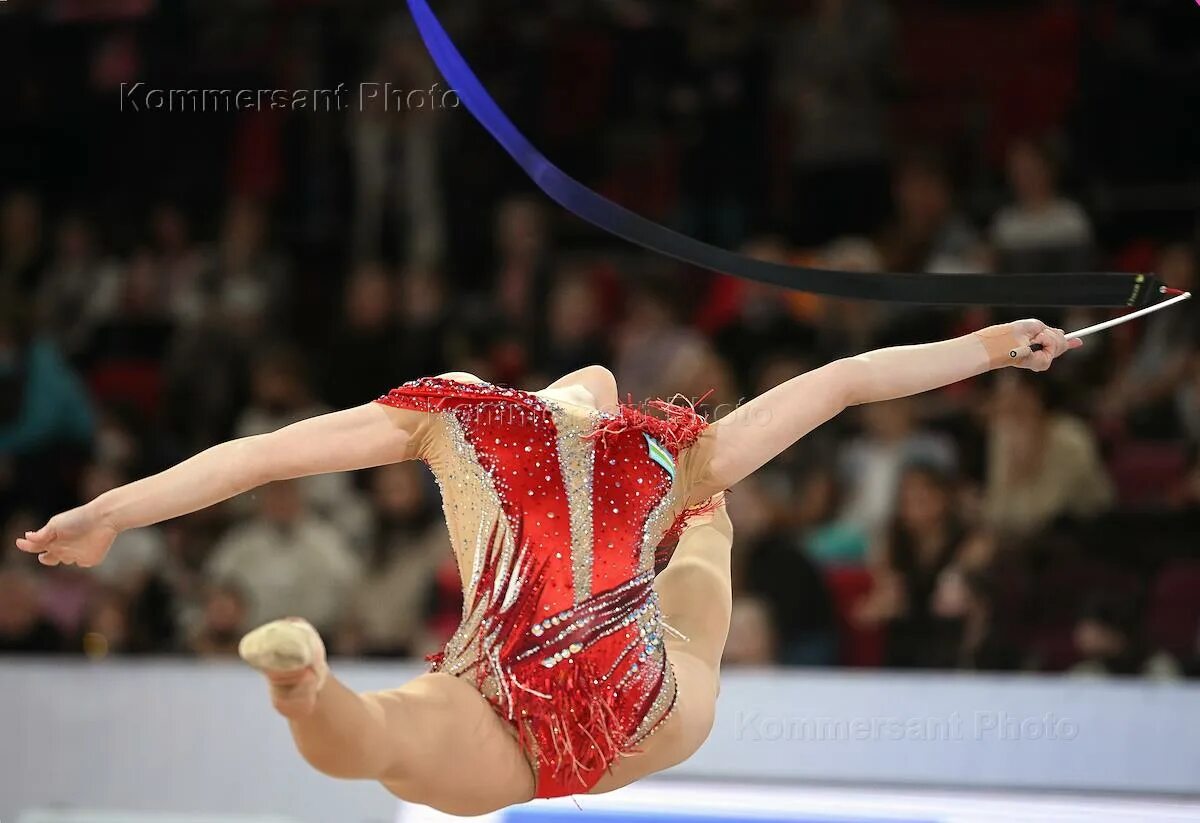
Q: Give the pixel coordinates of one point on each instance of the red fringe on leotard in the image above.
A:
(678, 430)
(560, 713)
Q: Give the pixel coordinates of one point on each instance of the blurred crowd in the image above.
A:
(171, 281)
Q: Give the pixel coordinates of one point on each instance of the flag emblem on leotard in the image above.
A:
(660, 455)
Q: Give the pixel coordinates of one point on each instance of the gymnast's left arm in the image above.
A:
(358, 438)
(756, 432)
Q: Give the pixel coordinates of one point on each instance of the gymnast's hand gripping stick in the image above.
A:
(1025, 351)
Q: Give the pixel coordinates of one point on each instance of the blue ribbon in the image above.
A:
(1026, 290)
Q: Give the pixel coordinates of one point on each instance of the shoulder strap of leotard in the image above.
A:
(436, 394)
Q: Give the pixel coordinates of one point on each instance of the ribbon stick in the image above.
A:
(1025, 351)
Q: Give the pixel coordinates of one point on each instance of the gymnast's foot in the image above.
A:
(290, 653)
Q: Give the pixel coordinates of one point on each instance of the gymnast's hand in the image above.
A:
(1053, 341)
(78, 537)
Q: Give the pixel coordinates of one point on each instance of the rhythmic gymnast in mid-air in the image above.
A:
(587, 658)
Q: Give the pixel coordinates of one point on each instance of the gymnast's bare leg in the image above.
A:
(696, 594)
(434, 741)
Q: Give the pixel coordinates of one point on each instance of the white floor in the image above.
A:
(673, 802)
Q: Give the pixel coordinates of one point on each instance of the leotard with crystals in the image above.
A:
(557, 513)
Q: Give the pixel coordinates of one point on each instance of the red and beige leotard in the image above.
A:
(558, 511)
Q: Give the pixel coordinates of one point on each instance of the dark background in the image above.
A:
(171, 279)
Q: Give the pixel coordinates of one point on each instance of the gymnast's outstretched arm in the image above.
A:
(358, 438)
(761, 429)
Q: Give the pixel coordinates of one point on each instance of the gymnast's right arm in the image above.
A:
(358, 438)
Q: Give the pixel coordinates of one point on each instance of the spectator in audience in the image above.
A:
(718, 98)
(289, 562)
(69, 300)
(46, 418)
(222, 623)
(246, 287)
(396, 159)
(132, 327)
(969, 637)
(1042, 464)
(924, 539)
(651, 341)
(1108, 643)
(23, 627)
(522, 273)
(389, 610)
(363, 352)
(871, 463)
(107, 628)
(180, 264)
(281, 394)
(1187, 494)
(827, 540)
(22, 250)
(1041, 231)
(769, 565)
(1146, 389)
(427, 333)
(574, 327)
(836, 68)
(927, 232)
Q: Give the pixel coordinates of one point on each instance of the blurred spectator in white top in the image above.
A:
(1041, 230)
(871, 463)
(1042, 464)
(288, 561)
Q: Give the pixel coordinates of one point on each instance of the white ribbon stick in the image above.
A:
(1025, 351)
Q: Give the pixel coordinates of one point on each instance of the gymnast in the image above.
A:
(587, 657)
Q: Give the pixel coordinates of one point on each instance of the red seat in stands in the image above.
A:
(1173, 616)
(858, 646)
(1145, 472)
(131, 382)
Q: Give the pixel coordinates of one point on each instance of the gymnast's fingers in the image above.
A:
(49, 559)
